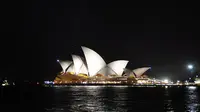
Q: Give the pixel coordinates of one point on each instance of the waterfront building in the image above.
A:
(92, 68)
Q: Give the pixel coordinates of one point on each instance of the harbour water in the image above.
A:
(107, 98)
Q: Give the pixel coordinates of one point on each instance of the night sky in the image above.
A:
(35, 34)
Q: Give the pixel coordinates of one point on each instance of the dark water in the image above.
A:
(114, 99)
(123, 99)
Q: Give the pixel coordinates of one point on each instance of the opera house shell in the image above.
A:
(92, 68)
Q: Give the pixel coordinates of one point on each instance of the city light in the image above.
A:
(192, 87)
(197, 82)
(190, 66)
(166, 81)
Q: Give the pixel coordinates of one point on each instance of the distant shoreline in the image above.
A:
(128, 85)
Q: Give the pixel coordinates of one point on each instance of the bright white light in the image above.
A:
(190, 67)
(166, 81)
(92, 87)
(58, 60)
(46, 82)
(192, 87)
(197, 82)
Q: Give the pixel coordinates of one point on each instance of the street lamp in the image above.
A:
(190, 67)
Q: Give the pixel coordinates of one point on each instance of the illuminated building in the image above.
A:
(92, 68)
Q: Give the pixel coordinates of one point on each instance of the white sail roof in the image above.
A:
(128, 72)
(118, 66)
(94, 61)
(79, 65)
(106, 71)
(139, 71)
(64, 64)
(71, 68)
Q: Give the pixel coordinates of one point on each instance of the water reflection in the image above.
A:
(119, 99)
(124, 98)
(168, 100)
(89, 98)
(192, 99)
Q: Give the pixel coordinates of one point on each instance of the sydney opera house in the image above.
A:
(91, 68)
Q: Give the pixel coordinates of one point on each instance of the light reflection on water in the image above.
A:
(192, 99)
(96, 98)
(168, 101)
(124, 98)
